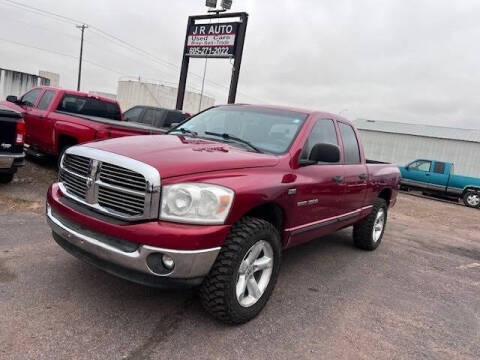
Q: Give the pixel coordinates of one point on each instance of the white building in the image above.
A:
(17, 83)
(401, 143)
(134, 92)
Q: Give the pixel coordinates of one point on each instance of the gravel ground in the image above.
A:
(417, 296)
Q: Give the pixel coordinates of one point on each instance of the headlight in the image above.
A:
(196, 203)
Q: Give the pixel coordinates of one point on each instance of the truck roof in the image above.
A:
(295, 109)
(79, 93)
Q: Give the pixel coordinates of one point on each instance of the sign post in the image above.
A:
(214, 40)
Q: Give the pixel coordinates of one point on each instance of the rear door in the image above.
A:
(40, 123)
(356, 175)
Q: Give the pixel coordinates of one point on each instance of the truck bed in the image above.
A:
(115, 123)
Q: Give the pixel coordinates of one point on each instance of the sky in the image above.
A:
(412, 61)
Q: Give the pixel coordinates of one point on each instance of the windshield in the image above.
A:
(268, 130)
(89, 106)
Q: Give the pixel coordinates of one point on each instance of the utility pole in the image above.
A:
(82, 28)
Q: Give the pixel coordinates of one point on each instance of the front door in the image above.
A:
(28, 101)
(418, 173)
(40, 123)
(319, 188)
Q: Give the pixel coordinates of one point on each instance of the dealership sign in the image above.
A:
(212, 40)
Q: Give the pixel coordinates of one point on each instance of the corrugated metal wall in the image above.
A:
(17, 83)
(402, 149)
(131, 93)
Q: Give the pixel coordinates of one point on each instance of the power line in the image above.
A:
(61, 54)
(118, 41)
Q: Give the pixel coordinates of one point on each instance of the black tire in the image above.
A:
(218, 291)
(468, 194)
(363, 232)
(6, 178)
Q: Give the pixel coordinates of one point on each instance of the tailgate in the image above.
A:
(8, 131)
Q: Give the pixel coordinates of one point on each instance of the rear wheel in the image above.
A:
(471, 199)
(368, 234)
(6, 178)
(245, 272)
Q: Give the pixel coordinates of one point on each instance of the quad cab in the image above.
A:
(215, 202)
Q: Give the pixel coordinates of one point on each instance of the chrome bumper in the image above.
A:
(6, 160)
(188, 264)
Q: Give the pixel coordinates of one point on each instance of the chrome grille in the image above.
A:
(109, 183)
(78, 164)
(117, 175)
(74, 184)
(129, 203)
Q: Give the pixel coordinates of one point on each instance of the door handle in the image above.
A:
(362, 176)
(338, 179)
(427, 174)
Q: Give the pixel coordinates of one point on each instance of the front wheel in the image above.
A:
(368, 233)
(245, 272)
(471, 199)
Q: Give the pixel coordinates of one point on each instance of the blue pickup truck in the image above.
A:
(437, 177)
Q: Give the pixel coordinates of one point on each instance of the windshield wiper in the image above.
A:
(234, 138)
(185, 131)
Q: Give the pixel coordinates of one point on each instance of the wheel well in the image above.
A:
(270, 212)
(65, 140)
(386, 194)
(470, 188)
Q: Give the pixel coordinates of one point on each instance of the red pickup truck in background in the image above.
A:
(215, 201)
(56, 119)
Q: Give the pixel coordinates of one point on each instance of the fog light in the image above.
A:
(168, 262)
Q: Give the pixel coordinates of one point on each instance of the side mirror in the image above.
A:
(172, 125)
(325, 153)
(12, 99)
(407, 167)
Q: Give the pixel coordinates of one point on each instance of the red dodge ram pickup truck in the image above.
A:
(56, 119)
(214, 202)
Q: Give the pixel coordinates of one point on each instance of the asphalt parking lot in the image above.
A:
(416, 297)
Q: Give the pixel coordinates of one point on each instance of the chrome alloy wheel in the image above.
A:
(473, 199)
(254, 273)
(378, 225)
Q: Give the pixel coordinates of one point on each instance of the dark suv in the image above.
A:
(155, 116)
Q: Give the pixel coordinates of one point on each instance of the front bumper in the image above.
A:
(125, 258)
(188, 264)
(8, 161)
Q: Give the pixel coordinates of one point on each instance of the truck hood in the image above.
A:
(175, 155)
(12, 106)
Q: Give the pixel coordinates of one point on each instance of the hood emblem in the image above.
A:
(210, 149)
